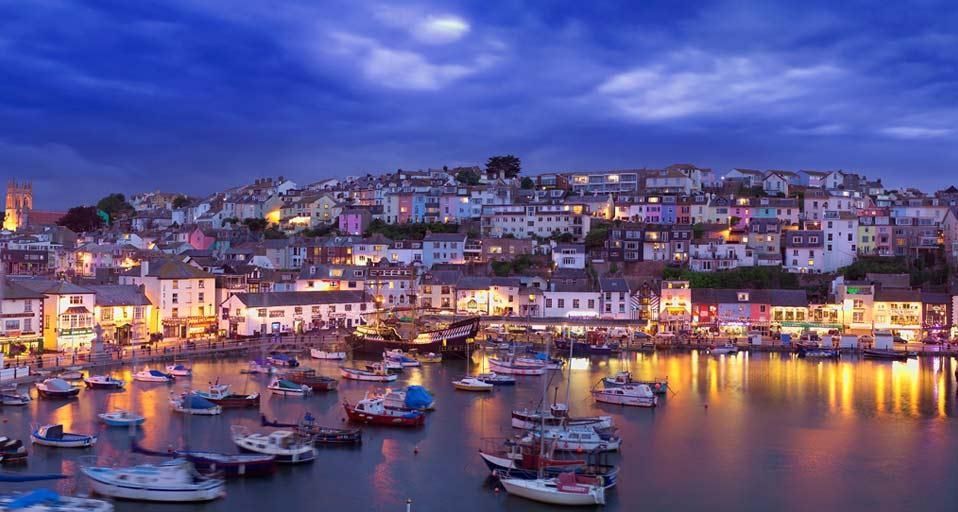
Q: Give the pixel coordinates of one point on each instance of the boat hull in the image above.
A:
(58, 395)
(215, 490)
(327, 356)
(510, 369)
(886, 355)
(103, 385)
(633, 401)
(303, 457)
(231, 466)
(288, 393)
(532, 421)
(235, 401)
(113, 421)
(77, 442)
(367, 376)
(384, 420)
(533, 490)
(495, 463)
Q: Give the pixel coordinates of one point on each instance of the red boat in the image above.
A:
(309, 378)
(372, 411)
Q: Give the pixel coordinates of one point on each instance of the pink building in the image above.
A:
(200, 240)
(354, 221)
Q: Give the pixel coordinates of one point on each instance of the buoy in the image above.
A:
(497, 489)
(706, 406)
(415, 450)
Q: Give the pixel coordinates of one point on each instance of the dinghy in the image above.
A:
(53, 435)
(43, 500)
(103, 382)
(121, 418)
(285, 388)
(56, 389)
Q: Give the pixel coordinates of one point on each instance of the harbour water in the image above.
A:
(743, 432)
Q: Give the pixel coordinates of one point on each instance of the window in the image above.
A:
(27, 306)
(199, 297)
(176, 298)
(561, 303)
(106, 313)
(314, 310)
(261, 313)
(348, 307)
(175, 312)
(591, 303)
(575, 303)
(298, 310)
(176, 284)
(548, 303)
(76, 299)
(11, 325)
(138, 313)
(200, 284)
(28, 324)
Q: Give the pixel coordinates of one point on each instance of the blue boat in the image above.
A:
(283, 360)
(49, 501)
(121, 418)
(53, 435)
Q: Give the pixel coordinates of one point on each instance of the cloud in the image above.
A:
(440, 29)
(693, 84)
(821, 129)
(915, 132)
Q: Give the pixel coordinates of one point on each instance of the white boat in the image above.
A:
(728, 348)
(103, 382)
(372, 376)
(577, 439)
(11, 396)
(566, 489)
(121, 418)
(173, 481)
(71, 373)
(53, 435)
(44, 500)
(283, 387)
(56, 388)
(637, 395)
(152, 376)
(510, 368)
(414, 397)
(179, 370)
(472, 384)
(286, 446)
(496, 380)
(404, 360)
(258, 367)
(317, 353)
(556, 416)
(192, 403)
(388, 365)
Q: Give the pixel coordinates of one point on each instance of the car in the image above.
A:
(931, 341)
(899, 339)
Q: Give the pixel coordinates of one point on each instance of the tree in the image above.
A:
(468, 177)
(273, 233)
(115, 206)
(596, 237)
(181, 202)
(507, 166)
(255, 225)
(81, 219)
(527, 183)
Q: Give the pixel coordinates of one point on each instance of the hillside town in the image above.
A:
(680, 250)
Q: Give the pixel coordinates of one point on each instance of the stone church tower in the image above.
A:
(19, 204)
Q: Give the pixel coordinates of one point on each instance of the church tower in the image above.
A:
(19, 204)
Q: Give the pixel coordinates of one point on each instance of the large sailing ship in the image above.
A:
(451, 340)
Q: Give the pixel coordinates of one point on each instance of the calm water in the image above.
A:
(746, 432)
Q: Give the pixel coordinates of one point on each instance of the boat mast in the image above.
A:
(568, 384)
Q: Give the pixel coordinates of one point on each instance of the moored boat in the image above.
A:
(11, 396)
(400, 357)
(624, 378)
(524, 461)
(309, 377)
(286, 446)
(258, 367)
(53, 435)
(121, 418)
(220, 395)
(511, 368)
(71, 373)
(818, 353)
(285, 388)
(496, 379)
(636, 395)
(103, 382)
(449, 340)
(430, 357)
(726, 349)
(576, 439)
(282, 360)
(472, 384)
(318, 434)
(192, 403)
(386, 365)
(556, 416)
(372, 410)
(44, 500)
(884, 354)
(565, 489)
(173, 481)
(413, 397)
(226, 464)
(330, 355)
(57, 388)
(372, 376)
(179, 370)
(12, 451)
(148, 375)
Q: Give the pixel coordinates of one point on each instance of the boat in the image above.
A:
(258, 367)
(12, 451)
(282, 360)
(372, 410)
(192, 403)
(309, 377)
(576, 348)
(448, 341)
(179, 370)
(121, 418)
(884, 354)
(556, 416)
(576, 439)
(317, 353)
(220, 395)
(30, 477)
(387, 364)
(511, 368)
(637, 395)
(374, 376)
(172, 481)
(430, 357)
(818, 353)
(496, 379)
(227, 464)
(10, 396)
(53, 435)
(318, 434)
(153, 376)
(413, 397)
(286, 446)
(57, 388)
(565, 489)
(603, 349)
(44, 500)
(398, 356)
(103, 382)
(524, 461)
(71, 373)
(284, 388)
(541, 359)
(624, 378)
(720, 350)
(472, 384)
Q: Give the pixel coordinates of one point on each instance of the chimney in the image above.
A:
(144, 268)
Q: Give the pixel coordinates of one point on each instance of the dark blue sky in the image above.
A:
(99, 96)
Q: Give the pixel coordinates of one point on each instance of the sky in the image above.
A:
(194, 96)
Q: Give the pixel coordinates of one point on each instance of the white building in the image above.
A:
(253, 314)
(542, 220)
(804, 251)
(571, 301)
(183, 297)
(444, 248)
(568, 256)
(715, 255)
(614, 302)
(841, 231)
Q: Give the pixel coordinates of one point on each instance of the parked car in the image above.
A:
(899, 339)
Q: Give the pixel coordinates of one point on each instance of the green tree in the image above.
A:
(596, 237)
(81, 219)
(468, 177)
(115, 206)
(527, 183)
(506, 166)
(273, 233)
(255, 225)
(181, 202)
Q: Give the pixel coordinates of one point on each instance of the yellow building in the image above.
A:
(123, 312)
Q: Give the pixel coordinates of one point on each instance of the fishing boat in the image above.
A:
(220, 395)
(430, 357)
(373, 376)
(387, 365)
(413, 397)
(449, 341)
(227, 464)
(565, 489)
(329, 355)
(286, 446)
(318, 434)
(173, 481)
(103, 382)
(511, 368)
(472, 384)
(121, 418)
(496, 379)
(179, 370)
(12, 451)
(576, 439)
(524, 461)
(285, 388)
(818, 353)
(636, 395)
(398, 356)
(624, 378)
(53, 435)
(192, 403)
(10, 396)
(57, 388)
(884, 354)
(726, 349)
(71, 373)
(556, 416)
(259, 367)
(309, 377)
(372, 410)
(153, 376)
(44, 500)
(282, 360)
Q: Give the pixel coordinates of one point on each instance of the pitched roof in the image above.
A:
(52, 287)
(445, 237)
(613, 284)
(175, 269)
(274, 299)
(120, 295)
(897, 295)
